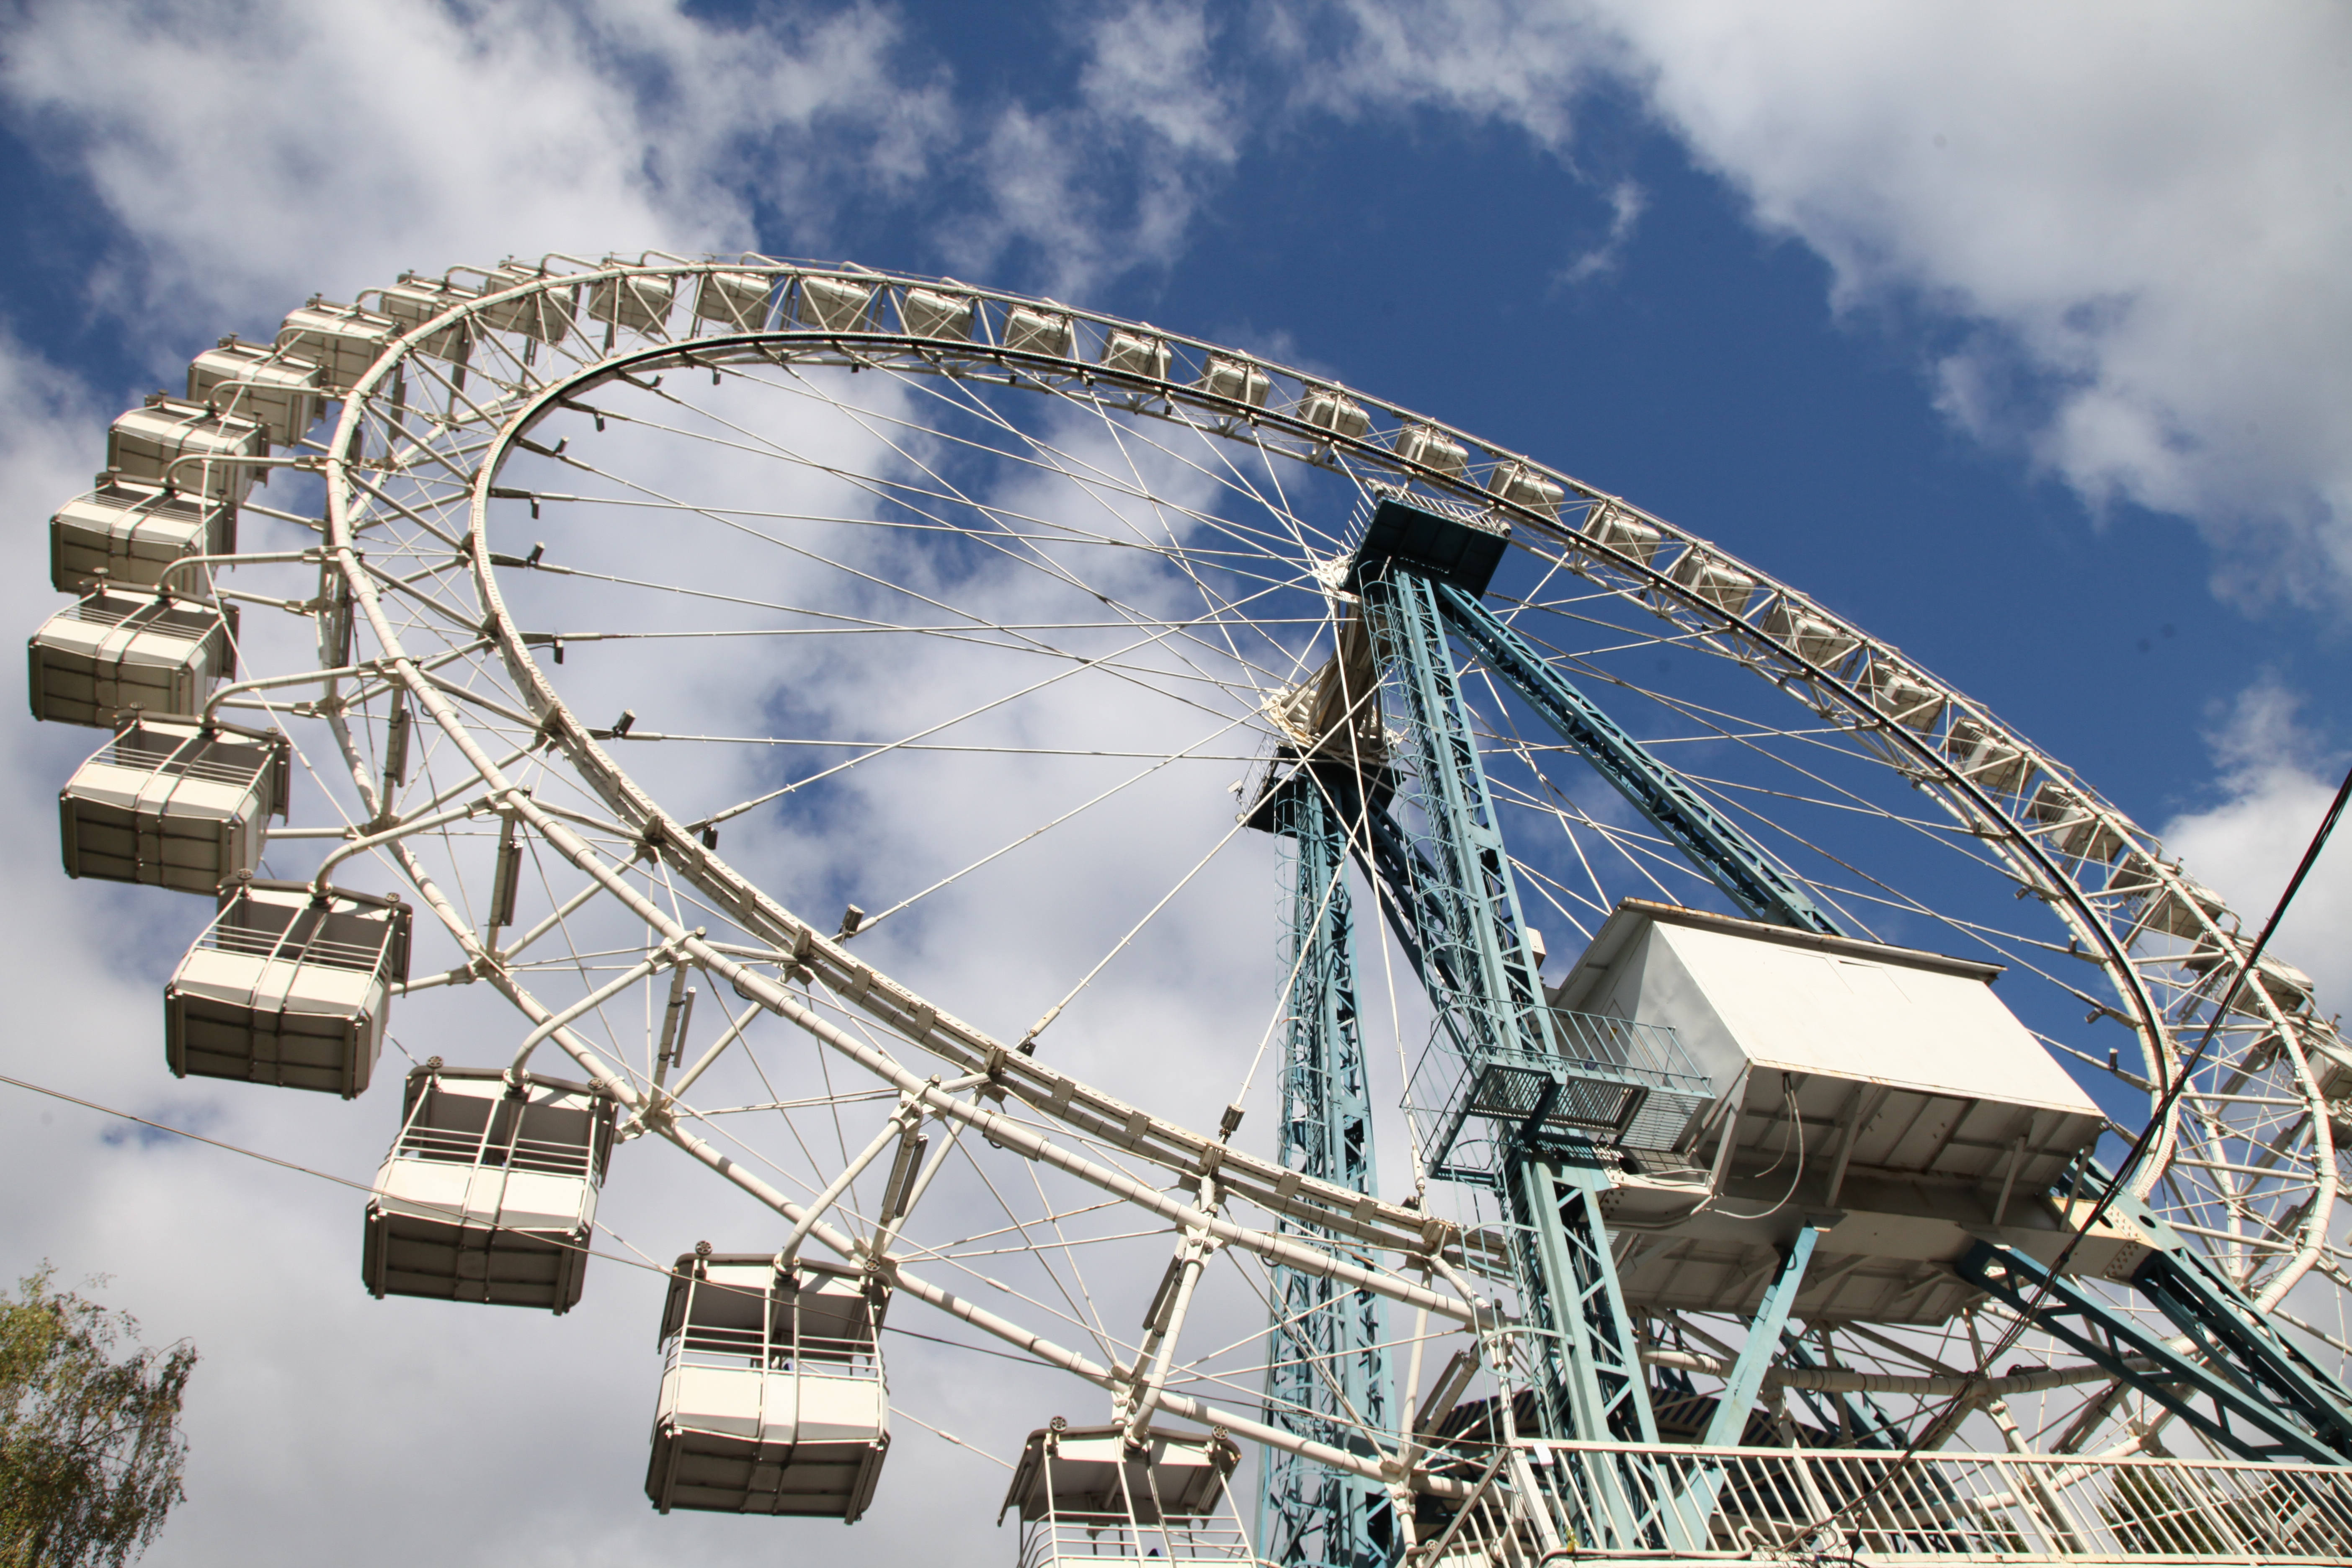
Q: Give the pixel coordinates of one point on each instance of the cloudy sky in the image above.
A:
(2018, 334)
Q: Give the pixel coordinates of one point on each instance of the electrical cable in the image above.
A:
(2017, 1330)
(1797, 1121)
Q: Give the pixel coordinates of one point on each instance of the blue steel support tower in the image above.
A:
(1419, 575)
(1482, 977)
(1327, 1374)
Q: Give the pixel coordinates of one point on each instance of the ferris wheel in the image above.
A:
(1472, 1023)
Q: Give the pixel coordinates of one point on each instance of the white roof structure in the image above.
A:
(1745, 997)
(1882, 1094)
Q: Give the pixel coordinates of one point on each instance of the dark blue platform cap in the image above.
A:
(1462, 550)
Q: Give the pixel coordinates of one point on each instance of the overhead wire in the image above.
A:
(639, 1261)
(2022, 1323)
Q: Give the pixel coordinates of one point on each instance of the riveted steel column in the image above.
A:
(1327, 1374)
(1587, 1370)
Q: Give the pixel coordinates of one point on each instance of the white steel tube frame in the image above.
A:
(2035, 867)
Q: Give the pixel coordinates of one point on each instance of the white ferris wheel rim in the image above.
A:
(1043, 1088)
(1657, 580)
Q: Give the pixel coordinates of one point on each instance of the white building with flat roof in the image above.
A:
(1884, 1094)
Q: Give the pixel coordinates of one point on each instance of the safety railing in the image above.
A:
(265, 943)
(1540, 1499)
(734, 1349)
(184, 759)
(459, 1147)
(1609, 1080)
(1085, 1537)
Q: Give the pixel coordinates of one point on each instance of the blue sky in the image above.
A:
(2017, 333)
(1563, 255)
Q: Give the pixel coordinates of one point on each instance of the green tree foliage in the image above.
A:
(91, 1449)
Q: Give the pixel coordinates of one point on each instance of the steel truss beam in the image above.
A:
(1483, 980)
(1697, 1496)
(1328, 1375)
(1473, 936)
(2206, 1305)
(1726, 855)
(1590, 1364)
(1745, 1379)
(2233, 1402)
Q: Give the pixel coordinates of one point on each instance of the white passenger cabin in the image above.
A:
(343, 340)
(834, 304)
(773, 1398)
(1083, 1494)
(288, 988)
(931, 313)
(489, 1193)
(1883, 1094)
(124, 534)
(544, 314)
(174, 804)
(738, 301)
(118, 650)
(187, 447)
(274, 386)
(635, 302)
(415, 301)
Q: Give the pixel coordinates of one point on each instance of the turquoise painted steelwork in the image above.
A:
(2236, 1396)
(1472, 935)
(1711, 843)
(1328, 1375)
(1583, 1346)
(1482, 978)
(1747, 1379)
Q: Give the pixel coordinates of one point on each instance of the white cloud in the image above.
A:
(1626, 203)
(255, 154)
(2120, 224)
(2132, 216)
(1150, 64)
(2277, 781)
(1502, 59)
(2135, 212)
(1112, 180)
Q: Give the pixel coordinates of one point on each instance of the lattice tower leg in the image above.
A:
(1479, 946)
(1327, 1371)
(1594, 1363)
(1588, 1373)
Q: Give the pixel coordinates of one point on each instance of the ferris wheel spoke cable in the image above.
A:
(1189, 753)
(985, 539)
(922, 524)
(1036, 555)
(1164, 631)
(1255, 539)
(1027, 451)
(1062, 1248)
(1177, 557)
(991, 706)
(1059, 1244)
(1085, 1321)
